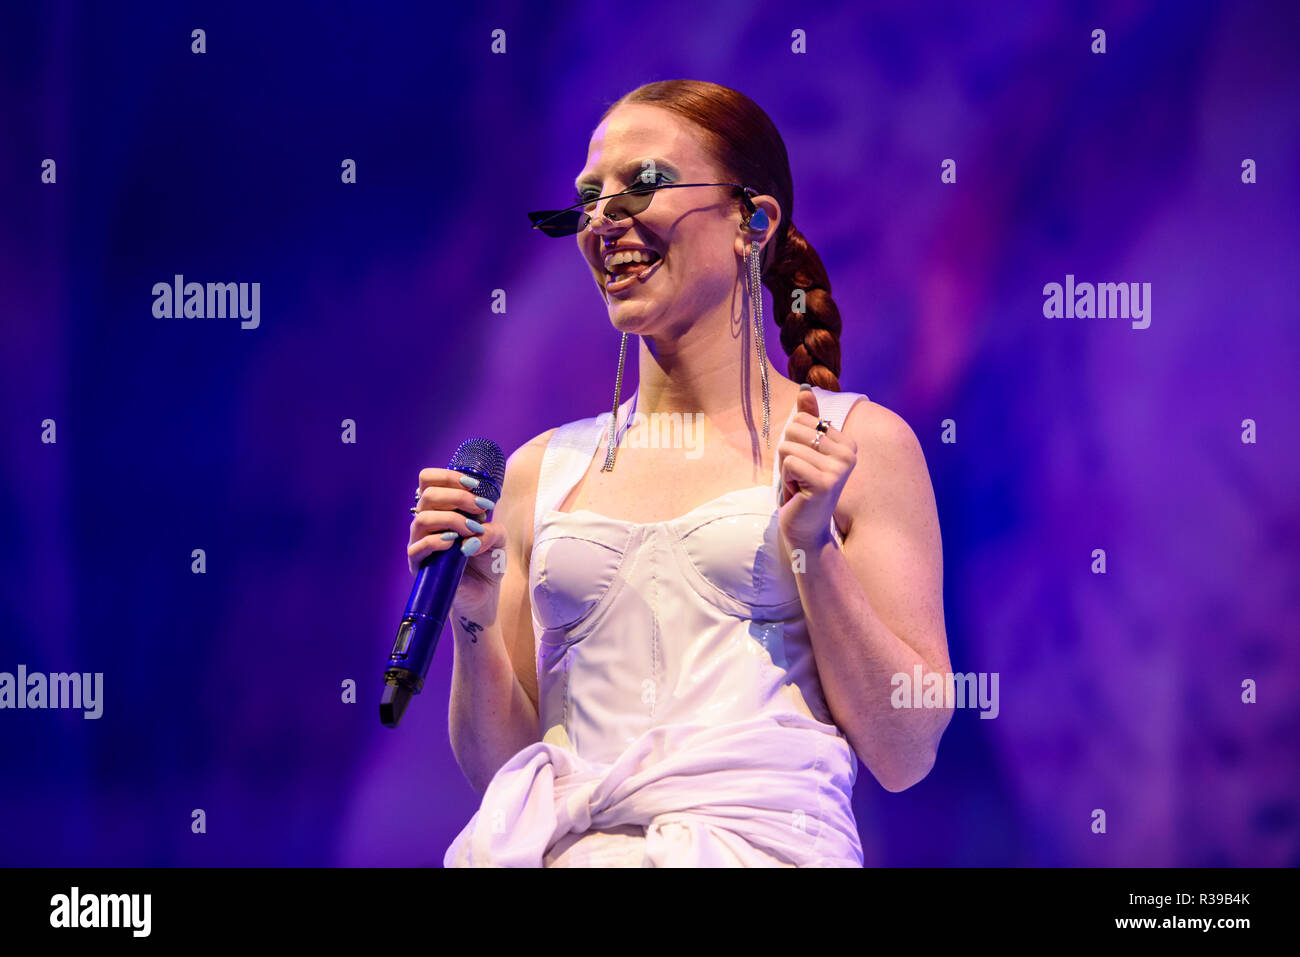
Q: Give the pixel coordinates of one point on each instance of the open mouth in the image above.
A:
(624, 269)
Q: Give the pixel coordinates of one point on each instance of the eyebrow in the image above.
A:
(633, 167)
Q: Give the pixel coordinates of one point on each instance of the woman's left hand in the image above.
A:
(811, 478)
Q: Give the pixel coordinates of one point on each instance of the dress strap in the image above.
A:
(572, 447)
(568, 455)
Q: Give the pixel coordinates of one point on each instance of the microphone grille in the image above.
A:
(483, 459)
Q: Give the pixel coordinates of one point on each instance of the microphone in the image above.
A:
(435, 587)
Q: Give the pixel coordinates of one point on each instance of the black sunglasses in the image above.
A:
(628, 202)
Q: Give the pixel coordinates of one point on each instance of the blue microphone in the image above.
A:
(435, 587)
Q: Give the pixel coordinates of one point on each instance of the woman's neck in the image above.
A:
(709, 381)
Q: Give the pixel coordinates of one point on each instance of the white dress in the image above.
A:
(684, 720)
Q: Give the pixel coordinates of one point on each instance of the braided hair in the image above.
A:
(810, 327)
(748, 149)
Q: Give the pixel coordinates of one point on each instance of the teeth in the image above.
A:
(628, 256)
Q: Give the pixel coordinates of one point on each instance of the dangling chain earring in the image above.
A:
(758, 222)
(618, 389)
(613, 419)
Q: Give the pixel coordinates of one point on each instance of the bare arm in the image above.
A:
(875, 606)
(492, 714)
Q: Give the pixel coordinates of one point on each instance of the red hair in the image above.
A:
(748, 149)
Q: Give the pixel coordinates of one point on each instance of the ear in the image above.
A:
(745, 235)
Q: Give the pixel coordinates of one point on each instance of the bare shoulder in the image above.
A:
(879, 427)
(891, 474)
(519, 489)
(527, 459)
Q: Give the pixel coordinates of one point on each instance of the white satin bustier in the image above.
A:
(693, 620)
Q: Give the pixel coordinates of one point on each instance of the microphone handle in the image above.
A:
(420, 629)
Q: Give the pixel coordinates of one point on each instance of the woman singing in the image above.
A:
(688, 652)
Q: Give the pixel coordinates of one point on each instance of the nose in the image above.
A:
(609, 215)
(601, 224)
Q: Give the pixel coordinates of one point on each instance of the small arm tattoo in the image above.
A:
(472, 627)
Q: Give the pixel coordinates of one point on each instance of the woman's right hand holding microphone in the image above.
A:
(438, 525)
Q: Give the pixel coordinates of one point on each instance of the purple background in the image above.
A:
(222, 691)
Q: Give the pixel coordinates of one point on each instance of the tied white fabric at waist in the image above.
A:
(777, 782)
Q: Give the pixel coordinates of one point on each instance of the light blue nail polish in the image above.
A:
(475, 526)
(471, 545)
(482, 502)
(469, 481)
(448, 536)
(804, 387)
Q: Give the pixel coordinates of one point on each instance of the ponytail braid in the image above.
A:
(811, 337)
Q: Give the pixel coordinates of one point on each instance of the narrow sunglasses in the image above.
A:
(625, 203)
